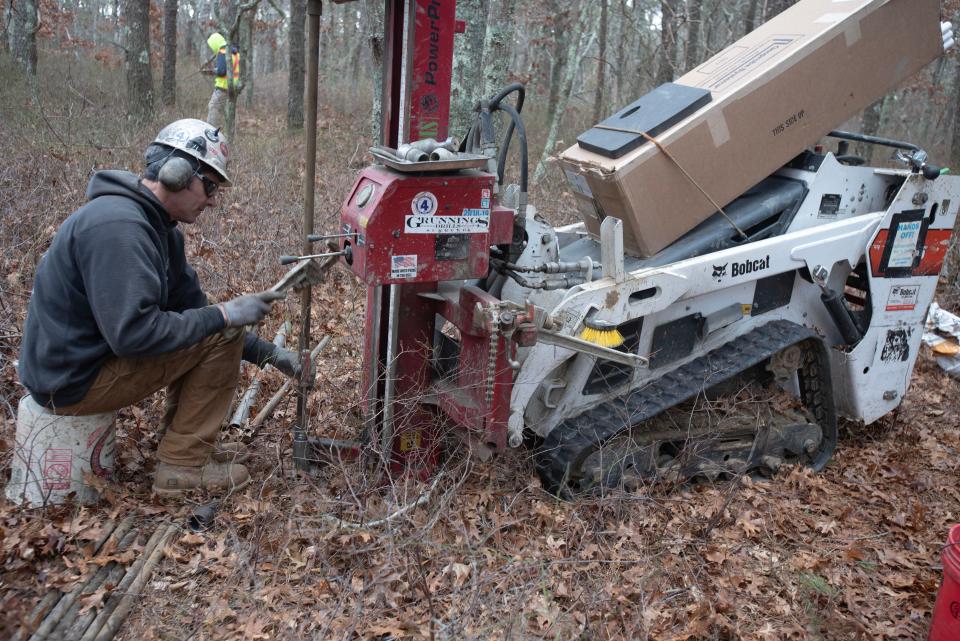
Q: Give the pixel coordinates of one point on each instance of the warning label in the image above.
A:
(403, 266)
(57, 468)
(903, 298)
(904, 245)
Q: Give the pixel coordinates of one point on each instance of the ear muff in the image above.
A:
(175, 174)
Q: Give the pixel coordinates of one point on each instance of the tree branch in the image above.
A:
(273, 4)
(242, 9)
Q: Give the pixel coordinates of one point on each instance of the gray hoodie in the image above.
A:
(115, 282)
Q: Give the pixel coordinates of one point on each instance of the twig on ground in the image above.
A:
(349, 525)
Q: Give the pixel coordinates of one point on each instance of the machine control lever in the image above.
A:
(315, 238)
(287, 260)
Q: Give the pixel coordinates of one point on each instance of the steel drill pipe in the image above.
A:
(271, 405)
(63, 605)
(122, 591)
(242, 412)
(109, 574)
(314, 11)
(133, 589)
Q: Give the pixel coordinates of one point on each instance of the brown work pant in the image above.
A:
(200, 381)
(217, 108)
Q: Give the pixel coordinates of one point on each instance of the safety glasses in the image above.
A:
(210, 187)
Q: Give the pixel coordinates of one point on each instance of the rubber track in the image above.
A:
(570, 443)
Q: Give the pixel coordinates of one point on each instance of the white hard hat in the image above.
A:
(200, 140)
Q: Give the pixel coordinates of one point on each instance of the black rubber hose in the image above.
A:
(508, 136)
(506, 91)
(515, 120)
(467, 143)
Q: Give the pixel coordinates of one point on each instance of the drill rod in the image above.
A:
(287, 260)
(314, 10)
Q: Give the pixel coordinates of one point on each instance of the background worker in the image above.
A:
(117, 313)
(226, 72)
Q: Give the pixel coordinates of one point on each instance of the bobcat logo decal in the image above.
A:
(719, 271)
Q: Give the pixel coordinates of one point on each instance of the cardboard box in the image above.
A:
(773, 93)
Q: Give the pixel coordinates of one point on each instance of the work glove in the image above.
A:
(287, 361)
(248, 309)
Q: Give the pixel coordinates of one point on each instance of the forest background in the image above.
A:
(851, 553)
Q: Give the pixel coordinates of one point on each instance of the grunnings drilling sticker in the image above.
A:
(471, 221)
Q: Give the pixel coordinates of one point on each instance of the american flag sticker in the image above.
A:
(403, 266)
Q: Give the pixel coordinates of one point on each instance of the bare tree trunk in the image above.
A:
(373, 28)
(581, 39)
(5, 31)
(601, 64)
(295, 82)
(955, 137)
(357, 44)
(467, 85)
(169, 82)
(621, 55)
(496, 51)
(137, 62)
(694, 11)
(561, 46)
(870, 122)
(23, 22)
(667, 60)
(775, 7)
(931, 107)
(231, 26)
(191, 37)
(247, 60)
(750, 19)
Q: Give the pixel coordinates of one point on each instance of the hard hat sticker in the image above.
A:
(424, 204)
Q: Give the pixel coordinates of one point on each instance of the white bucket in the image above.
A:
(52, 453)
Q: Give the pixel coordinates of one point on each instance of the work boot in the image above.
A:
(174, 480)
(230, 452)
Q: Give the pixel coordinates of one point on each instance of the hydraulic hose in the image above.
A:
(495, 103)
(515, 120)
(506, 91)
(471, 142)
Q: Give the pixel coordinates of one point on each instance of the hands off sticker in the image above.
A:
(424, 204)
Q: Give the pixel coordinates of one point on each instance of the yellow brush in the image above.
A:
(602, 333)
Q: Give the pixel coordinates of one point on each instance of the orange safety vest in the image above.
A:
(221, 81)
